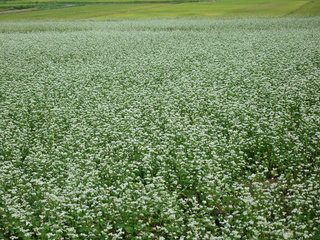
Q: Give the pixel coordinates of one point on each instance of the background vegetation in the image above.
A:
(106, 9)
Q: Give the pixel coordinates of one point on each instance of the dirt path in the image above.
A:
(18, 10)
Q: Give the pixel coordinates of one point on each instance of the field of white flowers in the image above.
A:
(160, 129)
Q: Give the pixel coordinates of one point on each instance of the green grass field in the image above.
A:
(80, 12)
(89, 9)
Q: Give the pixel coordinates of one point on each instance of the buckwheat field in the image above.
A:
(160, 129)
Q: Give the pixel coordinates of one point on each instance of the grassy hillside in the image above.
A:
(80, 12)
(47, 4)
(217, 9)
(100, 9)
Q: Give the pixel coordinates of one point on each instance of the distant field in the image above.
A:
(217, 9)
(50, 4)
(41, 4)
(80, 12)
(111, 9)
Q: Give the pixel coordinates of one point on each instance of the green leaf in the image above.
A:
(129, 229)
